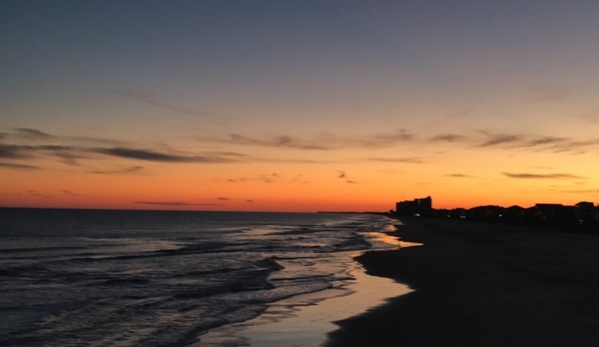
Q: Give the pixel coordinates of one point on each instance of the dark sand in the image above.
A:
(482, 284)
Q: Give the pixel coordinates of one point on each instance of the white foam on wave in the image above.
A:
(305, 320)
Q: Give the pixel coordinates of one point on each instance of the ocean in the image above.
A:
(164, 278)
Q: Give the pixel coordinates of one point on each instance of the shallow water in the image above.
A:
(131, 278)
(305, 320)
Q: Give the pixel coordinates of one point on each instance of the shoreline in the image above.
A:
(480, 284)
(305, 320)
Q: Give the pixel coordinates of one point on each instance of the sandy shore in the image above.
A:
(305, 320)
(482, 284)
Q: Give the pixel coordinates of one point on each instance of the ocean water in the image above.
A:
(158, 278)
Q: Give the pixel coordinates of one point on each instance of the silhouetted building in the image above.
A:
(416, 207)
(585, 206)
(584, 216)
(555, 215)
(548, 211)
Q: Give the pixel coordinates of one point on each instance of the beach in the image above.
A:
(480, 284)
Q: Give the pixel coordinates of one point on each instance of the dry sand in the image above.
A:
(480, 284)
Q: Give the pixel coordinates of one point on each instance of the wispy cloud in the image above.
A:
(69, 193)
(29, 133)
(151, 155)
(128, 170)
(542, 176)
(299, 179)
(325, 142)
(13, 152)
(142, 154)
(35, 193)
(400, 135)
(577, 147)
(479, 139)
(544, 140)
(343, 175)
(288, 160)
(32, 143)
(69, 154)
(482, 139)
(269, 178)
(282, 141)
(545, 143)
(222, 198)
(154, 100)
(493, 139)
(22, 146)
(172, 203)
(16, 166)
(407, 160)
(448, 138)
(457, 175)
(266, 178)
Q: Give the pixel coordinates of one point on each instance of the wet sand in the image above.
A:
(305, 320)
(479, 284)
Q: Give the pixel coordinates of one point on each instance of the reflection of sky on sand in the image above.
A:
(386, 239)
(305, 320)
(391, 240)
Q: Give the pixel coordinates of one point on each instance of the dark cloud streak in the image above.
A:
(172, 203)
(282, 141)
(14, 151)
(16, 166)
(129, 170)
(408, 160)
(499, 139)
(150, 155)
(34, 193)
(542, 176)
(452, 138)
(457, 175)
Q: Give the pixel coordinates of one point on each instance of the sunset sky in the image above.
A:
(298, 105)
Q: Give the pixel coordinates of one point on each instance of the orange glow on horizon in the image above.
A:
(288, 110)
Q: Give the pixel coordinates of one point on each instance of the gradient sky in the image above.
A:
(298, 105)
